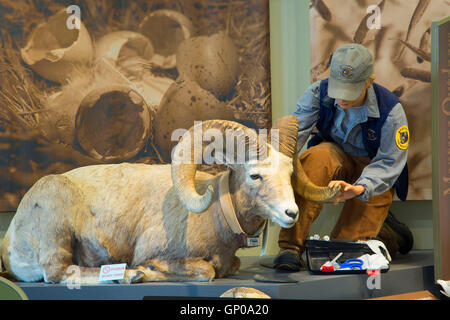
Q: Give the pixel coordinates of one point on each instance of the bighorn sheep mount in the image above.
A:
(145, 215)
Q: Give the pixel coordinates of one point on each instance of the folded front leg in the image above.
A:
(181, 269)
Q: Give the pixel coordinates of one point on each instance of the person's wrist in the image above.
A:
(360, 189)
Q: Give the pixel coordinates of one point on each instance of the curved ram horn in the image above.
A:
(183, 172)
(286, 140)
(303, 186)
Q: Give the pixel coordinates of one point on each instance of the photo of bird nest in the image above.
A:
(397, 33)
(108, 81)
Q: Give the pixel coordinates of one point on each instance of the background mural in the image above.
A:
(105, 81)
(398, 34)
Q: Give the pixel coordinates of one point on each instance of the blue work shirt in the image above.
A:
(385, 168)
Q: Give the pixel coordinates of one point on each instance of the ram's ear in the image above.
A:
(228, 159)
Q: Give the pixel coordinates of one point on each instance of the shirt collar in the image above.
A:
(372, 104)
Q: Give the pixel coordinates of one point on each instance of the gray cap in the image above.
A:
(351, 65)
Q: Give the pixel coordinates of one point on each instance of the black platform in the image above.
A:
(408, 273)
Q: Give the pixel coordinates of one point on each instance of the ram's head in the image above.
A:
(262, 168)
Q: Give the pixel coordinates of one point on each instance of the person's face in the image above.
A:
(345, 104)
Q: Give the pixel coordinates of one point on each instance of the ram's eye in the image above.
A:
(256, 177)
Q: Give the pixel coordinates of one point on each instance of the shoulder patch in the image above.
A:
(402, 137)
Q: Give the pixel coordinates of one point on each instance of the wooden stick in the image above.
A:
(416, 74)
(322, 9)
(419, 52)
(421, 7)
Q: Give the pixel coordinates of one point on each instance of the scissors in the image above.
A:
(351, 264)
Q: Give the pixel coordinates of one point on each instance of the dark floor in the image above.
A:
(408, 273)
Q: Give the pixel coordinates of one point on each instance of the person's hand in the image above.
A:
(348, 191)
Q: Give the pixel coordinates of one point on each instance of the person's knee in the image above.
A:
(324, 159)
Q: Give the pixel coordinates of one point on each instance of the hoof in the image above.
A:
(132, 276)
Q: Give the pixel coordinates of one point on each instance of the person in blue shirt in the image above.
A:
(361, 146)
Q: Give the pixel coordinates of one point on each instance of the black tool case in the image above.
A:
(320, 251)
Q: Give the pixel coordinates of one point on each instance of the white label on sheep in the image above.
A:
(112, 272)
(252, 242)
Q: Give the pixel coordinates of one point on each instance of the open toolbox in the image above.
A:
(318, 252)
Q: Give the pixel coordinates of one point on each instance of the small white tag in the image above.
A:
(252, 242)
(112, 272)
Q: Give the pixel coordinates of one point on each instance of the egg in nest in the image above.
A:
(183, 103)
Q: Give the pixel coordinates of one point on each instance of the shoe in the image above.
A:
(396, 236)
(403, 234)
(289, 260)
(387, 236)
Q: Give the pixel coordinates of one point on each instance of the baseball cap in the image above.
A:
(351, 65)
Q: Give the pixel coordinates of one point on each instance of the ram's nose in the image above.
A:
(292, 213)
